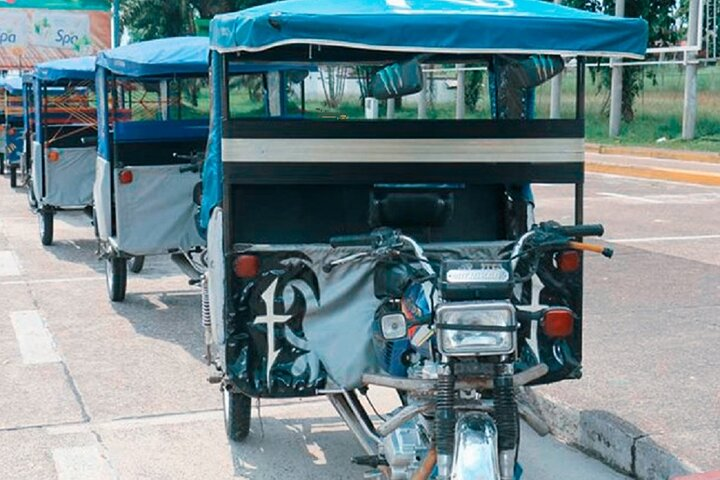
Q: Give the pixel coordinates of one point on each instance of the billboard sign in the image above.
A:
(35, 31)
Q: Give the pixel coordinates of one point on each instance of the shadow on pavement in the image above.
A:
(170, 316)
(311, 448)
(79, 251)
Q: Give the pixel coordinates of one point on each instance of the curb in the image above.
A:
(661, 153)
(607, 437)
(656, 173)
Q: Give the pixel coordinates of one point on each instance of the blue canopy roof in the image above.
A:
(12, 84)
(431, 26)
(79, 68)
(163, 57)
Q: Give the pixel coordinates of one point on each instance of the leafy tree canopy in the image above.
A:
(150, 19)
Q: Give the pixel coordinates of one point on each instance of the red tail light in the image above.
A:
(568, 261)
(246, 266)
(126, 177)
(558, 323)
(53, 156)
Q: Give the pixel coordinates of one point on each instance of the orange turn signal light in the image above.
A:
(568, 261)
(246, 266)
(53, 156)
(558, 322)
(125, 176)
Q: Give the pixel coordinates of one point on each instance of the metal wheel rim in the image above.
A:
(109, 274)
(226, 405)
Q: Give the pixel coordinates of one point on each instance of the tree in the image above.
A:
(149, 19)
(661, 16)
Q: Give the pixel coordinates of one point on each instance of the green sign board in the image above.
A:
(103, 5)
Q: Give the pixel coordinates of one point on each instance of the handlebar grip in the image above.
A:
(190, 168)
(366, 240)
(89, 141)
(582, 230)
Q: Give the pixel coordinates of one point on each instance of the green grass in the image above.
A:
(658, 110)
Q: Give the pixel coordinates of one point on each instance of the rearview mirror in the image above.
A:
(397, 80)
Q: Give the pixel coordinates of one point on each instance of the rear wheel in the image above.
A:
(2, 166)
(237, 408)
(136, 264)
(116, 278)
(32, 202)
(13, 176)
(46, 217)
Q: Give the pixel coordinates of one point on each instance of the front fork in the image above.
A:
(448, 440)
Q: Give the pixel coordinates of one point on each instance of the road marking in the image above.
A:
(663, 239)
(33, 337)
(628, 197)
(81, 463)
(9, 264)
(131, 423)
(51, 280)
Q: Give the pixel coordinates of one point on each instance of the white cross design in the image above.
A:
(270, 319)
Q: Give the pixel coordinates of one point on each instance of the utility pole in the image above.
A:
(556, 89)
(117, 29)
(460, 104)
(616, 89)
(691, 71)
(422, 99)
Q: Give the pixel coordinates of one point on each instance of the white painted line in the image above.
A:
(663, 239)
(51, 280)
(34, 339)
(630, 198)
(81, 463)
(132, 423)
(9, 264)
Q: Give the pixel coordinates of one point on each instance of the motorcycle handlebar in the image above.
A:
(366, 240)
(582, 230)
(190, 168)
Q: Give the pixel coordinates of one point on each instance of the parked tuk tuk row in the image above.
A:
(336, 252)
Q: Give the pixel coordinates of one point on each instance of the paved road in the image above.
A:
(91, 390)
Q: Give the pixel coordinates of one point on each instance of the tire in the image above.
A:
(116, 278)
(136, 264)
(95, 224)
(32, 202)
(237, 409)
(13, 176)
(2, 166)
(46, 218)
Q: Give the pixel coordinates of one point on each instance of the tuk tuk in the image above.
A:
(346, 252)
(12, 130)
(62, 164)
(152, 123)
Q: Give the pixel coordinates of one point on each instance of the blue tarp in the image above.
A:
(13, 85)
(431, 26)
(163, 57)
(80, 68)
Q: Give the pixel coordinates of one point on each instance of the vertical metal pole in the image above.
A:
(390, 108)
(117, 28)
(580, 89)
(616, 89)
(556, 90)
(691, 70)
(422, 99)
(460, 103)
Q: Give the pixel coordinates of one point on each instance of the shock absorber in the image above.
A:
(206, 321)
(506, 418)
(445, 421)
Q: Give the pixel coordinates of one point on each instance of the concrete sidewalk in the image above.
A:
(649, 403)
